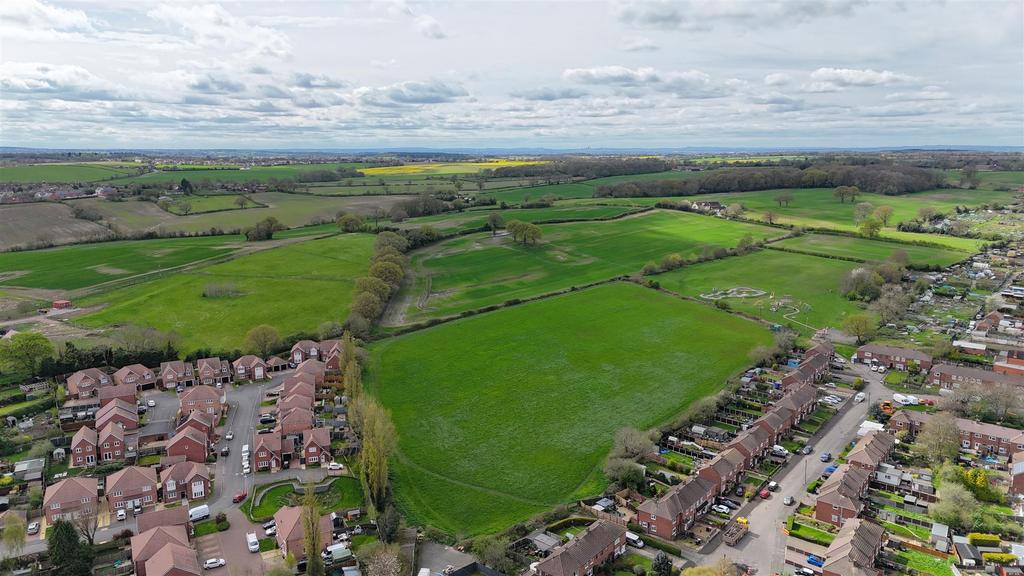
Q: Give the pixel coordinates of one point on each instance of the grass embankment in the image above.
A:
(502, 415)
(284, 287)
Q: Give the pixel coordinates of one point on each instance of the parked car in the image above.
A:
(225, 451)
(142, 409)
(265, 431)
(335, 466)
(803, 571)
(788, 500)
(214, 563)
(739, 490)
(860, 397)
(267, 419)
(773, 486)
(874, 368)
(721, 509)
(815, 560)
(765, 494)
(807, 450)
(239, 497)
(272, 531)
(826, 457)
(229, 436)
(269, 524)
(121, 514)
(151, 403)
(33, 528)
(730, 503)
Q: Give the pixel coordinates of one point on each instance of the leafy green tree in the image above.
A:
(14, 535)
(25, 351)
(351, 223)
(870, 227)
(262, 340)
(311, 527)
(69, 556)
(495, 221)
(661, 566)
(387, 523)
(186, 187)
(862, 326)
(884, 214)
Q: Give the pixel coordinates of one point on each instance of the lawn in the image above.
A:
(800, 290)
(477, 270)
(458, 221)
(72, 267)
(925, 563)
(344, 493)
(502, 415)
(59, 172)
(205, 528)
(872, 250)
(623, 566)
(293, 288)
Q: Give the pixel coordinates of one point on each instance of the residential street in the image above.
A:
(764, 547)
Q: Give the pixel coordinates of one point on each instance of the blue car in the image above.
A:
(826, 457)
(815, 561)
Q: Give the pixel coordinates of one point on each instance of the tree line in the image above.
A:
(879, 179)
(372, 292)
(583, 168)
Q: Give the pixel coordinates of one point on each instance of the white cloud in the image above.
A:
(703, 15)
(430, 27)
(688, 84)
(638, 44)
(549, 94)
(36, 80)
(777, 79)
(614, 75)
(411, 93)
(213, 27)
(33, 14)
(858, 77)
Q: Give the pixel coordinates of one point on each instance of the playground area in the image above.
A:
(738, 292)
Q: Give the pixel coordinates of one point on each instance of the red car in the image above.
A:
(765, 494)
(239, 497)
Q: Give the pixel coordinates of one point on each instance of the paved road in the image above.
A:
(764, 547)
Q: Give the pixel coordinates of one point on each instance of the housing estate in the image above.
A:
(600, 542)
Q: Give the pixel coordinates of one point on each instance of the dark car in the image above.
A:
(239, 497)
(826, 457)
(225, 451)
(739, 491)
(807, 450)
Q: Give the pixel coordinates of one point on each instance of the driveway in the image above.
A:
(764, 547)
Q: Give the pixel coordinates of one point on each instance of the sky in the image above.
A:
(251, 74)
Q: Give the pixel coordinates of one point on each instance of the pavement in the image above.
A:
(764, 546)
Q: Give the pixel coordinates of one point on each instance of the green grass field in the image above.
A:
(470, 219)
(871, 250)
(60, 172)
(72, 267)
(254, 174)
(213, 203)
(503, 415)
(582, 189)
(807, 285)
(477, 270)
(293, 288)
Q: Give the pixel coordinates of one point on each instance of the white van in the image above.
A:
(245, 449)
(252, 542)
(860, 397)
(199, 513)
(634, 540)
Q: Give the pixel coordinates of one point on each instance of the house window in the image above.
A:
(85, 500)
(55, 506)
(117, 493)
(147, 498)
(106, 444)
(147, 488)
(78, 450)
(312, 449)
(170, 485)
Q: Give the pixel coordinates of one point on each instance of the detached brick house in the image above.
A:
(202, 398)
(893, 357)
(949, 377)
(316, 446)
(174, 560)
(130, 487)
(212, 371)
(85, 383)
(672, 514)
(177, 373)
(136, 374)
(290, 533)
(304, 350)
(331, 355)
(250, 367)
(200, 421)
(266, 452)
(723, 470)
(126, 393)
(177, 516)
(111, 445)
(185, 480)
(119, 412)
(295, 421)
(601, 542)
(840, 497)
(69, 498)
(146, 544)
(83, 448)
(190, 443)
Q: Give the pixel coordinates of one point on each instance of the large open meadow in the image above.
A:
(584, 188)
(61, 172)
(72, 267)
(872, 250)
(502, 415)
(478, 270)
(473, 219)
(293, 288)
(798, 290)
(232, 174)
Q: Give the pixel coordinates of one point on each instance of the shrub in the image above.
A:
(999, 557)
(223, 526)
(982, 539)
(221, 517)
